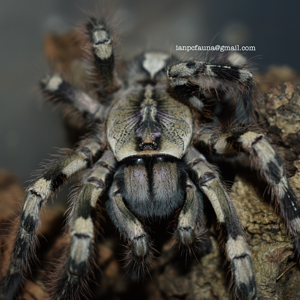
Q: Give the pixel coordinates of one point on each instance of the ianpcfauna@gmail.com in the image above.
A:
(150, 156)
(219, 48)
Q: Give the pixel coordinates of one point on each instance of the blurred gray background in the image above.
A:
(30, 129)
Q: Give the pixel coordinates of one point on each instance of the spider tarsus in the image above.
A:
(10, 286)
(198, 245)
(70, 287)
(70, 280)
(244, 291)
(138, 266)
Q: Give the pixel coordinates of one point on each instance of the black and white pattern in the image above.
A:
(201, 80)
(151, 162)
(271, 167)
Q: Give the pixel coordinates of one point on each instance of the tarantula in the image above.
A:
(162, 127)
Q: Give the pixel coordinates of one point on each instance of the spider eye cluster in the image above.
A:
(148, 146)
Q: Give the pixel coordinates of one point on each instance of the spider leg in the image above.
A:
(192, 80)
(189, 215)
(70, 281)
(271, 167)
(103, 56)
(131, 229)
(37, 195)
(190, 232)
(69, 97)
(235, 244)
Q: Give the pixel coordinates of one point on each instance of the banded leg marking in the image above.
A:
(72, 278)
(103, 55)
(189, 219)
(131, 229)
(271, 167)
(194, 77)
(235, 245)
(37, 195)
(69, 96)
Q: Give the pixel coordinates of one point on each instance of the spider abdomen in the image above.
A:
(152, 187)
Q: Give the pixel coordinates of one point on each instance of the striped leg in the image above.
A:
(37, 195)
(103, 56)
(71, 98)
(271, 167)
(235, 244)
(70, 281)
(190, 232)
(131, 229)
(192, 79)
